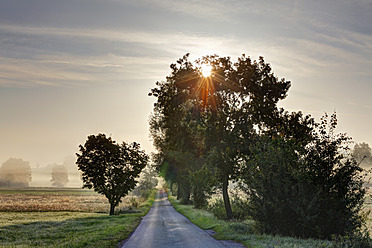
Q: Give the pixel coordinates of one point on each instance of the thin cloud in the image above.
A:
(215, 10)
(76, 71)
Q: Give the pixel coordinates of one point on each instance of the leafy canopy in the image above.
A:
(109, 168)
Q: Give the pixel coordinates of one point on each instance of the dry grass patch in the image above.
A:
(52, 200)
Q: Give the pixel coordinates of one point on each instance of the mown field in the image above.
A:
(65, 218)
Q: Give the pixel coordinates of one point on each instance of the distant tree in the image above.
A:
(16, 172)
(3, 183)
(147, 182)
(362, 152)
(59, 176)
(109, 168)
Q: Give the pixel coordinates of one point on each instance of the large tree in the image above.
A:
(212, 117)
(109, 168)
(173, 126)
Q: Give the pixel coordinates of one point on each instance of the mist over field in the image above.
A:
(18, 173)
(41, 178)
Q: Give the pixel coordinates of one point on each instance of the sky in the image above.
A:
(72, 68)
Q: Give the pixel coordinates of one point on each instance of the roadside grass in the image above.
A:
(242, 232)
(73, 228)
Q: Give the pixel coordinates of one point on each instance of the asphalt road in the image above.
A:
(165, 227)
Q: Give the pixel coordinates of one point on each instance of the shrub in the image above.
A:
(133, 202)
(239, 208)
(312, 191)
(201, 181)
(357, 240)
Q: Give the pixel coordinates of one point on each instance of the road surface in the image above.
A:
(164, 227)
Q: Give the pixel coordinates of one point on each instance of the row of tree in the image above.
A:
(227, 127)
(18, 173)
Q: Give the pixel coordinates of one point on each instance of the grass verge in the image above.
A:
(68, 229)
(242, 232)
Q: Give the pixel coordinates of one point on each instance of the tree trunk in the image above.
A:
(112, 208)
(171, 188)
(226, 199)
(185, 192)
(178, 190)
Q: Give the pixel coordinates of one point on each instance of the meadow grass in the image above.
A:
(49, 199)
(242, 232)
(50, 227)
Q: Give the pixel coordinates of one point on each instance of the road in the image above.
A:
(164, 227)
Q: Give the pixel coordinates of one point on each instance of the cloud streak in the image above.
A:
(136, 51)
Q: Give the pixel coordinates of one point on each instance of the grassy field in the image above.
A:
(243, 232)
(64, 218)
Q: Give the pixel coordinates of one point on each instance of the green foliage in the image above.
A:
(239, 208)
(202, 181)
(338, 180)
(227, 127)
(313, 191)
(356, 240)
(147, 182)
(201, 121)
(272, 181)
(243, 231)
(109, 168)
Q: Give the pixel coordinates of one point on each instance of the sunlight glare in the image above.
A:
(206, 70)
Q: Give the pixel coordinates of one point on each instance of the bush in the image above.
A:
(312, 191)
(201, 181)
(357, 240)
(239, 208)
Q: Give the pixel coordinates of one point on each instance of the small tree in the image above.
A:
(109, 168)
(59, 176)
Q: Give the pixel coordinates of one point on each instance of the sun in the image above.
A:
(206, 70)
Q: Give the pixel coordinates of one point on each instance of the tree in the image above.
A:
(362, 152)
(147, 182)
(59, 176)
(210, 119)
(313, 189)
(173, 127)
(16, 172)
(109, 168)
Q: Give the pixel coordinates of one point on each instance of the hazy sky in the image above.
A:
(73, 68)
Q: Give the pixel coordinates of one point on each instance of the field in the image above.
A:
(40, 199)
(64, 218)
